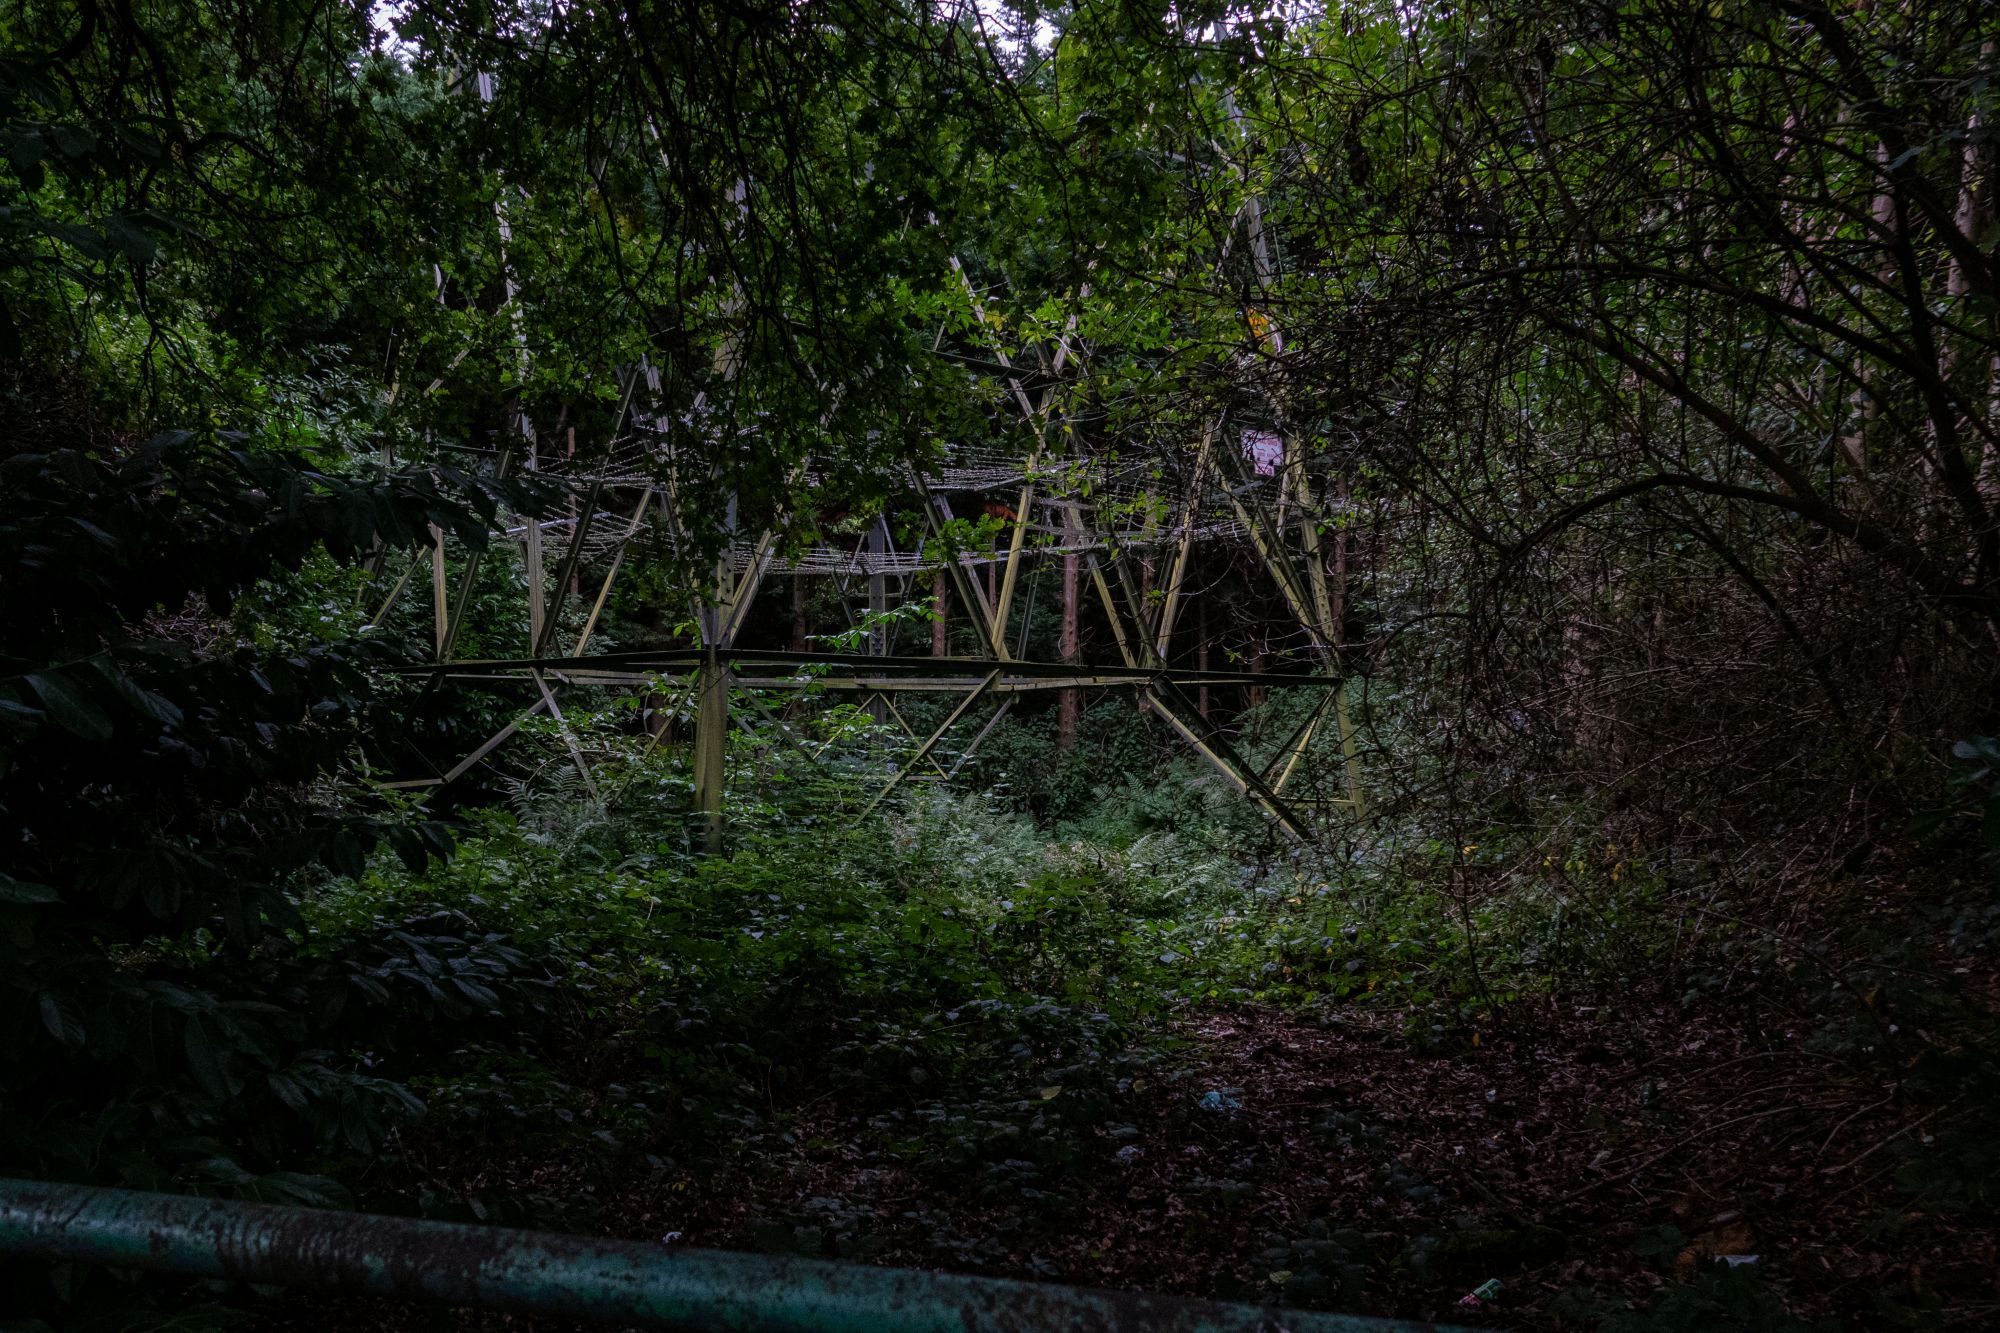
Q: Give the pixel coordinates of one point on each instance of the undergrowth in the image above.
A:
(979, 990)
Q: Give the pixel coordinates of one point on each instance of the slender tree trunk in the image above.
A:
(531, 564)
(1338, 629)
(1201, 655)
(878, 589)
(1971, 203)
(1068, 705)
(1145, 624)
(941, 613)
(799, 635)
(877, 546)
(1975, 209)
(575, 514)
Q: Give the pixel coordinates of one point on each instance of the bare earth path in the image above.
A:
(1277, 1156)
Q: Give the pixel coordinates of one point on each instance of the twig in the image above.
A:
(1844, 1124)
(1914, 1124)
(1671, 1149)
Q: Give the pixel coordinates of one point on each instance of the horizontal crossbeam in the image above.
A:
(789, 670)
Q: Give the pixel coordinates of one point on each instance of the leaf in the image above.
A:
(227, 1170)
(1051, 1092)
(117, 875)
(15, 708)
(95, 533)
(70, 709)
(343, 854)
(60, 1018)
(21, 891)
(204, 1057)
(72, 140)
(409, 848)
(24, 150)
(288, 1090)
(478, 994)
(82, 239)
(161, 891)
(131, 239)
(140, 699)
(295, 1187)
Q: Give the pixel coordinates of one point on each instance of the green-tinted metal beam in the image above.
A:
(1177, 571)
(611, 574)
(889, 703)
(1179, 712)
(622, 1282)
(860, 684)
(979, 738)
(566, 572)
(746, 662)
(568, 737)
(397, 591)
(469, 576)
(924, 750)
(964, 582)
(1288, 754)
(785, 731)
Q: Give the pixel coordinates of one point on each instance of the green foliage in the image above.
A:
(1971, 801)
(169, 788)
(981, 1005)
(871, 623)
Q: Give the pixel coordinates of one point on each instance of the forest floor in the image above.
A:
(1584, 1161)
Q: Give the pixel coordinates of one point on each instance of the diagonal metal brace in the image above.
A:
(924, 751)
(1213, 746)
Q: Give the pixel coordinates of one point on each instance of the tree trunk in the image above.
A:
(575, 516)
(1975, 207)
(1201, 653)
(1338, 629)
(1069, 705)
(941, 613)
(1145, 619)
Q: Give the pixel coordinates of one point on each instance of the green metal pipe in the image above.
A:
(622, 1282)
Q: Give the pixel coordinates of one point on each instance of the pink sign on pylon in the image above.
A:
(1264, 450)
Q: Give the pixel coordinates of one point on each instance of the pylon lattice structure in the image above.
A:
(1247, 489)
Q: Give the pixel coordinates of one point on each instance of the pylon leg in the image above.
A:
(711, 739)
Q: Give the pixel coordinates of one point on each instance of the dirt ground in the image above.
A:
(1328, 1163)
